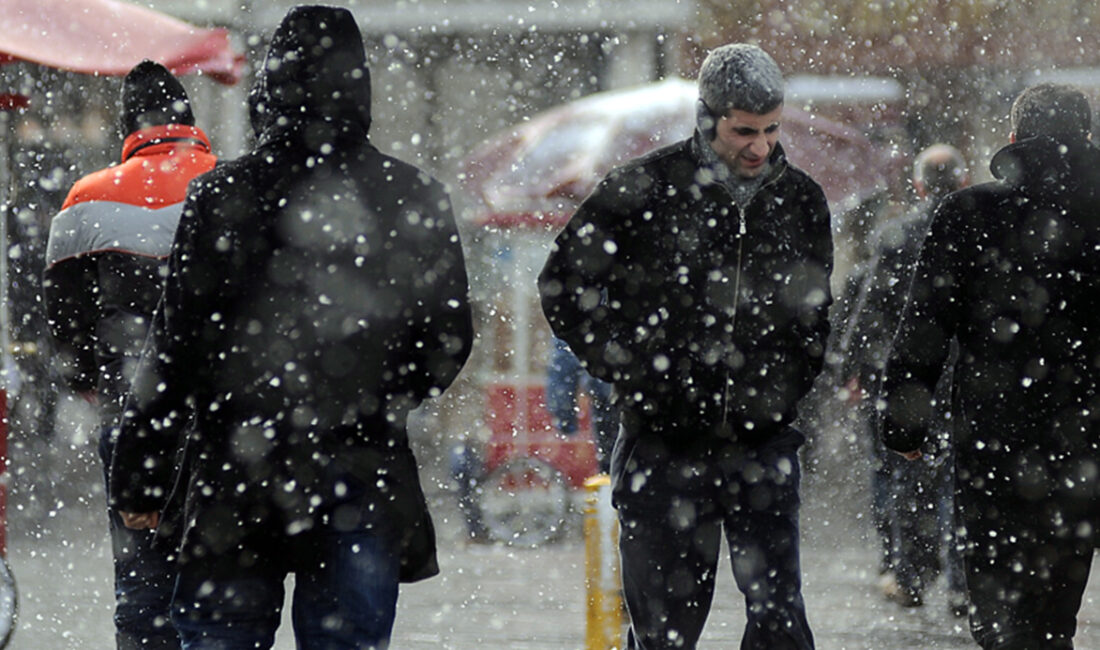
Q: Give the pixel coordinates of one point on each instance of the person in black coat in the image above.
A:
(1009, 271)
(696, 280)
(316, 294)
(911, 501)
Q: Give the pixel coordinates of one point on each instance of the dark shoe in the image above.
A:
(958, 603)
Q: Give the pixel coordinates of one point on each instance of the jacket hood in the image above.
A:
(315, 68)
(151, 96)
(1047, 164)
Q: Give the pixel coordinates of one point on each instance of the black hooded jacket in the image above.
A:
(1009, 269)
(709, 317)
(317, 293)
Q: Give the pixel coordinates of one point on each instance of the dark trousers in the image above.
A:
(673, 511)
(921, 516)
(144, 579)
(1027, 560)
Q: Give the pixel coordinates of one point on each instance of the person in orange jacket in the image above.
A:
(105, 262)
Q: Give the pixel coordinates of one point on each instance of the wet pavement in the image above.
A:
(488, 596)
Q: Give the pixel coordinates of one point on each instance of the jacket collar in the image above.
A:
(162, 139)
(1046, 164)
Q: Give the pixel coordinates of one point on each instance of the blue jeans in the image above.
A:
(144, 578)
(345, 594)
(564, 378)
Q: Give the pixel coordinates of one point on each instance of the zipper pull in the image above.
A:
(741, 215)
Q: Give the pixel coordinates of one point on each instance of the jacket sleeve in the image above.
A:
(573, 283)
(443, 322)
(159, 404)
(928, 322)
(70, 290)
(813, 323)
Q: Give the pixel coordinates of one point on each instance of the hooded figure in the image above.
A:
(1009, 271)
(316, 294)
(105, 259)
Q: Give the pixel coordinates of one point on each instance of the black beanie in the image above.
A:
(151, 96)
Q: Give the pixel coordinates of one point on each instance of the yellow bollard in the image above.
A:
(601, 567)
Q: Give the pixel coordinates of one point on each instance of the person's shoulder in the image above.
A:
(975, 198)
(677, 153)
(228, 174)
(669, 163)
(398, 170)
(95, 186)
(798, 178)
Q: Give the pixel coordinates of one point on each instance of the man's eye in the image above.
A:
(772, 129)
(745, 131)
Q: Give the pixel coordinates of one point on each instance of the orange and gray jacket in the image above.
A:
(106, 254)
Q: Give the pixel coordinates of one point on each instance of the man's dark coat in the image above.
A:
(1010, 270)
(709, 317)
(317, 292)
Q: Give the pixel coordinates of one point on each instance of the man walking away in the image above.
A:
(104, 272)
(913, 500)
(696, 280)
(1009, 271)
(316, 294)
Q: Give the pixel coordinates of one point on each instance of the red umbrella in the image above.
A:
(539, 170)
(108, 37)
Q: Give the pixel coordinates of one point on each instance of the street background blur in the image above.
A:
(451, 80)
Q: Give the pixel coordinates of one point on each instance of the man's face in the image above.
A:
(745, 140)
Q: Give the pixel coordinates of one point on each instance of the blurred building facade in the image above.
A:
(447, 74)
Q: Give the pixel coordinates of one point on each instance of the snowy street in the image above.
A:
(486, 596)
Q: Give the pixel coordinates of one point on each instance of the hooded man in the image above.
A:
(105, 259)
(316, 294)
(1009, 271)
(696, 280)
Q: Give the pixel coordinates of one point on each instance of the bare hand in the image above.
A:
(855, 391)
(140, 520)
(910, 455)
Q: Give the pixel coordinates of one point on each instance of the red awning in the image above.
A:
(108, 37)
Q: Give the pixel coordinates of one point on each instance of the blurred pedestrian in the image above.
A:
(566, 379)
(696, 280)
(1009, 271)
(913, 501)
(105, 263)
(316, 294)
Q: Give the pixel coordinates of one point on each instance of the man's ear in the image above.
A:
(918, 187)
(1012, 138)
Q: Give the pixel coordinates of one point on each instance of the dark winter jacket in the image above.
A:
(316, 294)
(107, 247)
(709, 317)
(1009, 269)
(875, 293)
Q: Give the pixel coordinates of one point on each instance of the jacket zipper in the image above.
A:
(742, 230)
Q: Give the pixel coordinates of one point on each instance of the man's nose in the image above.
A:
(759, 146)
